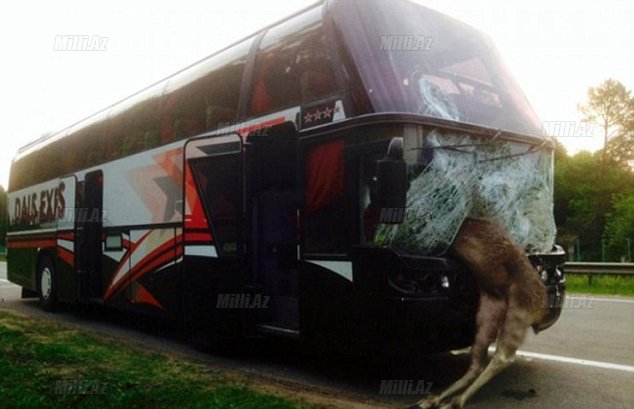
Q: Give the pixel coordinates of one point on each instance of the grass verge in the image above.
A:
(35, 356)
(610, 285)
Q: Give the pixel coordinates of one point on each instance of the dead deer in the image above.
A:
(511, 300)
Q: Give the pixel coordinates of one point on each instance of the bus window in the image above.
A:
(209, 97)
(218, 179)
(293, 65)
(135, 127)
(326, 215)
(81, 149)
(94, 144)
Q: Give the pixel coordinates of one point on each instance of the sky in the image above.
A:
(555, 49)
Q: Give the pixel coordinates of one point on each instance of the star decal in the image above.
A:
(322, 114)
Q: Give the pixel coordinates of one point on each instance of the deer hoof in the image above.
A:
(427, 403)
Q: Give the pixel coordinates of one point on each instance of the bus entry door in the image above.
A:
(89, 231)
(273, 240)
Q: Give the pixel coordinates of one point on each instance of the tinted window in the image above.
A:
(327, 220)
(218, 180)
(134, 125)
(204, 98)
(293, 65)
(413, 59)
(82, 148)
(93, 146)
(22, 172)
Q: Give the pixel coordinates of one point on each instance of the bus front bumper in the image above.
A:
(428, 304)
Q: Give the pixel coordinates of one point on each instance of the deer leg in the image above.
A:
(511, 337)
(491, 312)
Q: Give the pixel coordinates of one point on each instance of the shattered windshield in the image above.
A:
(413, 59)
(452, 176)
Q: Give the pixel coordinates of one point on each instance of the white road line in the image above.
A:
(585, 362)
(557, 358)
(577, 296)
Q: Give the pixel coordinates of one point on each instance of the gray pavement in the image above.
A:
(7, 290)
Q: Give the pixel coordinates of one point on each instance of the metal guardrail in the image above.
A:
(592, 269)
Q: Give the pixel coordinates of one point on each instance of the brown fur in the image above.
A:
(511, 300)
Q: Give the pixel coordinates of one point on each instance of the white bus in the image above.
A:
(247, 193)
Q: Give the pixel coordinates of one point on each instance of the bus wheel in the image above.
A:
(47, 285)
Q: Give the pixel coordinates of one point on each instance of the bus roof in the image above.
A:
(103, 113)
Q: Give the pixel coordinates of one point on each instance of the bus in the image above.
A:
(304, 182)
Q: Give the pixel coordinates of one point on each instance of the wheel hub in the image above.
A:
(45, 283)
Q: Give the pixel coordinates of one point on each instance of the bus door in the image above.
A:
(89, 236)
(214, 270)
(65, 211)
(272, 209)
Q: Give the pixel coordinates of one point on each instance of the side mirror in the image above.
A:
(392, 184)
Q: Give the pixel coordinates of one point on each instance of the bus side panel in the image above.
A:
(144, 274)
(115, 264)
(21, 266)
(207, 283)
(67, 279)
(32, 218)
(144, 189)
(154, 282)
(65, 267)
(326, 306)
(142, 206)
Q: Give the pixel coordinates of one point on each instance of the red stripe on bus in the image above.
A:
(261, 125)
(66, 236)
(140, 294)
(205, 237)
(30, 243)
(166, 258)
(168, 248)
(196, 217)
(66, 256)
(132, 246)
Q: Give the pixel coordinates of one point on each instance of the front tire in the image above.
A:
(47, 285)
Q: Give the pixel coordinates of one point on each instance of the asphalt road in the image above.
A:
(585, 361)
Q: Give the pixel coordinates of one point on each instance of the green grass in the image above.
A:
(3, 257)
(35, 354)
(611, 285)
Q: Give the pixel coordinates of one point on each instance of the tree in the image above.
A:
(621, 147)
(611, 106)
(582, 202)
(619, 229)
(560, 151)
(3, 216)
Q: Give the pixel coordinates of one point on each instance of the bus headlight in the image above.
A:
(444, 281)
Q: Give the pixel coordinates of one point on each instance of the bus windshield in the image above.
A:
(413, 59)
